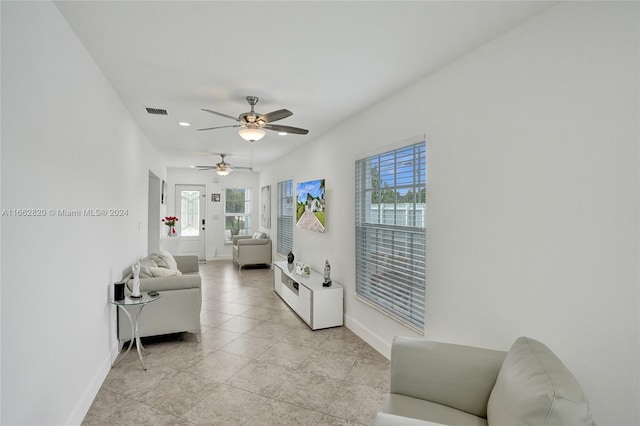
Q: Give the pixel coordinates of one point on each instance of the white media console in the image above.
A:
(318, 306)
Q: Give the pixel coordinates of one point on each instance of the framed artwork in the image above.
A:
(265, 197)
(310, 207)
(163, 192)
(215, 198)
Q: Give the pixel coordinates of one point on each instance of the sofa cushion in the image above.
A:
(258, 235)
(535, 388)
(415, 408)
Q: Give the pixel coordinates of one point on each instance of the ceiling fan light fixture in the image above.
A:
(223, 172)
(251, 135)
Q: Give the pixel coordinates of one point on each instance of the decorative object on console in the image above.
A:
(327, 274)
(170, 221)
(290, 258)
(310, 210)
(135, 290)
(302, 269)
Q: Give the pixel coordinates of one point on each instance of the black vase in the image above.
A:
(290, 258)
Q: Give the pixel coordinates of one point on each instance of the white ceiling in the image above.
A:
(325, 61)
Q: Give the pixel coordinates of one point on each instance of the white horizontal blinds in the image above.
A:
(390, 232)
(285, 216)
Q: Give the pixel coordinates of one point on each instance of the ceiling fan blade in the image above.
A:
(276, 115)
(288, 129)
(250, 169)
(221, 114)
(205, 167)
(220, 127)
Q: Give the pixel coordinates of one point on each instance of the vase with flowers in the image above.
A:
(170, 221)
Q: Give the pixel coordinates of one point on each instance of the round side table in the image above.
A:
(140, 303)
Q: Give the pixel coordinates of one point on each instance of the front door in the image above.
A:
(190, 209)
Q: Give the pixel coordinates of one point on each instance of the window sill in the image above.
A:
(391, 316)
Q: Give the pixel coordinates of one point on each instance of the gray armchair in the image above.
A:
(248, 250)
(434, 383)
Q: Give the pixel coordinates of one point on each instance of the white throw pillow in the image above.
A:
(159, 260)
(257, 235)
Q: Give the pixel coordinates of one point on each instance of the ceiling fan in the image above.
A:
(223, 168)
(254, 122)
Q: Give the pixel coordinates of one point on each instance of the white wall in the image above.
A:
(532, 197)
(67, 143)
(216, 249)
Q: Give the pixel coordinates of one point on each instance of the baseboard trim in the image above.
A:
(82, 407)
(223, 257)
(366, 334)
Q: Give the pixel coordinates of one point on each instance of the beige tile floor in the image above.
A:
(257, 364)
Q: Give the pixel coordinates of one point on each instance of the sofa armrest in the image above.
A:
(237, 238)
(176, 282)
(457, 376)
(187, 264)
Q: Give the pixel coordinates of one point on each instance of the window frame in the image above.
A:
(391, 249)
(285, 204)
(247, 214)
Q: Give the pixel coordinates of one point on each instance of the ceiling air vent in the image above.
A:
(157, 111)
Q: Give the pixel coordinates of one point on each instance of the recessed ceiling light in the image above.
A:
(283, 133)
(184, 124)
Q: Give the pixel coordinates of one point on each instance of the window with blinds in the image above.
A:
(285, 217)
(237, 213)
(391, 234)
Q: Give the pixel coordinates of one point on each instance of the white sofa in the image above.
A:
(251, 250)
(435, 383)
(178, 308)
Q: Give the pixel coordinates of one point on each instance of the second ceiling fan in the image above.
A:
(223, 168)
(254, 123)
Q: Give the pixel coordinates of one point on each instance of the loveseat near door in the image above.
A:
(191, 212)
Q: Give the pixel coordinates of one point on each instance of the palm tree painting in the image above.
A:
(310, 205)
